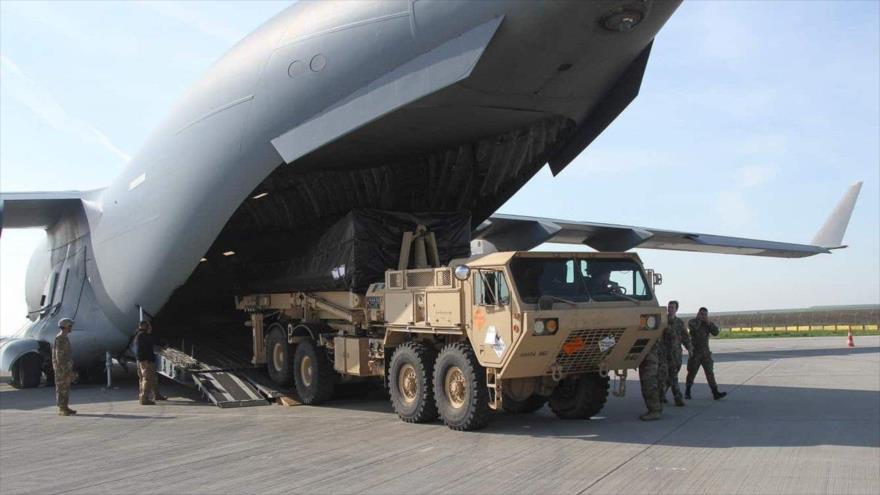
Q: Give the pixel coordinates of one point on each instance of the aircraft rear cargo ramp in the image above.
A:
(223, 387)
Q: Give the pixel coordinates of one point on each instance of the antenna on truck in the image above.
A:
(422, 246)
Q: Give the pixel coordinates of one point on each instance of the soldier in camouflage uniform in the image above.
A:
(700, 328)
(674, 337)
(62, 363)
(146, 361)
(652, 378)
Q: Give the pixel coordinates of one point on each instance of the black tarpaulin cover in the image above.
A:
(355, 251)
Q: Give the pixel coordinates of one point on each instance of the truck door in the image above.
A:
(491, 316)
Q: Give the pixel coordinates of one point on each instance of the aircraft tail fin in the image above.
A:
(830, 235)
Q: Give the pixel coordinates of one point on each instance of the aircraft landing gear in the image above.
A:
(27, 371)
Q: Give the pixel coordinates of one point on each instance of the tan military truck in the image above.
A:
(507, 330)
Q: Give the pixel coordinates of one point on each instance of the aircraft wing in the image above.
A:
(519, 233)
(35, 209)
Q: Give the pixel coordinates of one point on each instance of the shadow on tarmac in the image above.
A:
(120, 416)
(124, 388)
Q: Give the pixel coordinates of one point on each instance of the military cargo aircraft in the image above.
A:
(404, 105)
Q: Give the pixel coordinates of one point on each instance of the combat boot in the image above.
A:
(66, 412)
(718, 395)
(147, 403)
(161, 397)
(679, 402)
(650, 416)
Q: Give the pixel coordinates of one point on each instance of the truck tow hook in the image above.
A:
(556, 372)
(618, 388)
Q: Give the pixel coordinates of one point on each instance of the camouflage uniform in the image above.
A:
(674, 337)
(146, 364)
(652, 378)
(149, 386)
(62, 364)
(699, 333)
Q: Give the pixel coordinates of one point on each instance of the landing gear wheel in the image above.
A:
(279, 363)
(27, 371)
(529, 405)
(460, 388)
(580, 397)
(92, 375)
(409, 382)
(313, 373)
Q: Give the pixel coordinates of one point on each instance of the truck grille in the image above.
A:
(580, 352)
(422, 278)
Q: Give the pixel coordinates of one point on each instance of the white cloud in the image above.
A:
(39, 101)
(754, 175)
(722, 33)
(196, 20)
(733, 210)
(617, 162)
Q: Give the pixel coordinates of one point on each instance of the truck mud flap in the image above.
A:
(225, 389)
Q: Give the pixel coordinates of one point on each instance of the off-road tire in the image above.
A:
(318, 386)
(580, 397)
(281, 372)
(531, 404)
(27, 371)
(417, 405)
(470, 411)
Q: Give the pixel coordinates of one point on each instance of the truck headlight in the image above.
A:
(649, 322)
(545, 326)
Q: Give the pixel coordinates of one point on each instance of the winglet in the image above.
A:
(831, 234)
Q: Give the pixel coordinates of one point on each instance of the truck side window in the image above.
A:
(490, 288)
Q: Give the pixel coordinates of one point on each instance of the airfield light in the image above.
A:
(261, 195)
(203, 260)
(228, 253)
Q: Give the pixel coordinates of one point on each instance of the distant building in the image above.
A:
(834, 318)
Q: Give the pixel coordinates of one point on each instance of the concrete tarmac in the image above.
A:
(802, 416)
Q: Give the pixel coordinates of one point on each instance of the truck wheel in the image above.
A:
(580, 397)
(460, 388)
(278, 361)
(313, 373)
(27, 371)
(409, 382)
(530, 405)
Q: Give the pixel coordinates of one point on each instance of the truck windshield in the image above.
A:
(579, 280)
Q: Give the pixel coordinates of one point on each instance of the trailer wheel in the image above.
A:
(27, 371)
(409, 382)
(313, 373)
(279, 352)
(529, 405)
(580, 397)
(460, 388)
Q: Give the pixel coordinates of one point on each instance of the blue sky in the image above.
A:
(752, 120)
